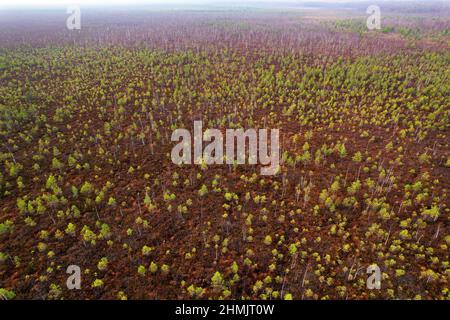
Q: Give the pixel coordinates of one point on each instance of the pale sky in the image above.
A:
(110, 3)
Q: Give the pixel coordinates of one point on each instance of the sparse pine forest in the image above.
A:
(86, 177)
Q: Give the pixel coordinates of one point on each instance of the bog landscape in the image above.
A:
(87, 182)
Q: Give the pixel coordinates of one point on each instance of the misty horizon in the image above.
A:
(47, 4)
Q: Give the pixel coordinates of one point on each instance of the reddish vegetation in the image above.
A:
(365, 158)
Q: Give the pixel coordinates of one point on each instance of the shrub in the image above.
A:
(153, 267)
(142, 270)
(6, 294)
(98, 283)
(102, 264)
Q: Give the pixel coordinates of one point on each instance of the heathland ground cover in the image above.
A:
(86, 176)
